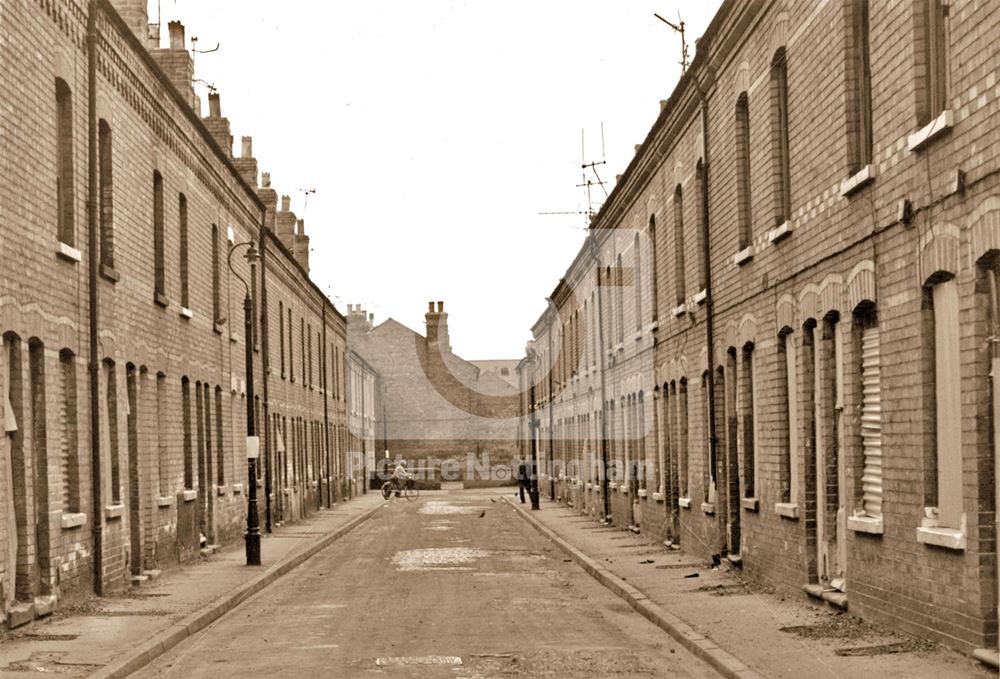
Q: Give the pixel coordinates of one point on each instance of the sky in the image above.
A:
(421, 140)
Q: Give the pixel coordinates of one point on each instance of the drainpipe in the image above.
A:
(550, 406)
(604, 389)
(265, 370)
(97, 511)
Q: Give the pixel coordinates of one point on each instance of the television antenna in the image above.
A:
(589, 178)
(307, 193)
(679, 28)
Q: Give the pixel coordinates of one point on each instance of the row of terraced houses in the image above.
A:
(780, 336)
(125, 224)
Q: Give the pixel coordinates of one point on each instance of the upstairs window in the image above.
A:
(936, 74)
(65, 194)
(159, 275)
(652, 269)
(182, 215)
(637, 282)
(702, 183)
(216, 276)
(743, 169)
(105, 195)
(859, 117)
(779, 138)
(679, 244)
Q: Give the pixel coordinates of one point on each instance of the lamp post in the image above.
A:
(533, 424)
(253, 442)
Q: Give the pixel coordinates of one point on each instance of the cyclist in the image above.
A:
(400, 477)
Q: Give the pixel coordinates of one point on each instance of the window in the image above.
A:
(281, 335)
(743, 170)
(746, 379)
(936, 54)
(637, 282)
(65, 193)
(947, 405)
(679, 244)
(859, 118)
(186, 429)
(309, 349)
(105, 195)
(779, 139)
(69, 443)
(291, 346)
(111, 405)
(652, 269)
(682, 438)
(220, 453)
(162, 429)
(620, 301)
(216, 277)
(871, 417)
(182, 217)
(159, 275)
(788, 466)
(302, 350)
(702, 183)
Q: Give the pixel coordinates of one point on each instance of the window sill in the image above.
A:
(190, 495)
(233, 338)
(701, 297)
(857, 180)
(643, 492)
(221, 490)
(708, 508)
(684, 502)
(68, 252)
(679, 310)
(73, 519)
(654, 326)
(620, 346)
(949, 538)
(161, 300)
(865, 524)
(590, 486)
(623, 489)
(165, 501)
(931, 131)
(114, 511)
(237, 488)
(186, 313)
(638, 335)
(743, 256)
(780, 232)
(750, 504)
(109, 273)
(788, 510)
(658, 497)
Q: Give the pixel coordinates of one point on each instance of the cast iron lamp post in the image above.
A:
(253, 443)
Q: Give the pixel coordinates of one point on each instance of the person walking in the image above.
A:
(523, 482)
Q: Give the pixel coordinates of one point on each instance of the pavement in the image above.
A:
(112, 636)
(741, 629)
(452, 585)
(461, 584)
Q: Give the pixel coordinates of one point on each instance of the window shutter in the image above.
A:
(871, 422)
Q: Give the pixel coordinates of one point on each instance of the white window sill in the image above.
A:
(165, 501)
(221, 490)
(186, 313)
(658, 497)
(743, 256)
(590, 486)
(620, 346)
(949, 538)
(780, 232)
(643, 492)
(68, 252)
(789, 510)
(73, 519)
(684, 502)
(638, 335)
(679, 310)
(701, 297)
(931, 130)
(190, 495)
(857, 180)
(623, 489)
(865, 524)
(653, 327)
(708, 508)
(114, 511)
(751, 504)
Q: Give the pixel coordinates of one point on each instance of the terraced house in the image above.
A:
(125, 225)
(780, 337)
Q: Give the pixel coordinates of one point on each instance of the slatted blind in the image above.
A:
(871, 422)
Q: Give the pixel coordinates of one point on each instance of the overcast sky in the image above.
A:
(434, 132)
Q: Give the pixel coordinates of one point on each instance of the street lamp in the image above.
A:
(253, 442)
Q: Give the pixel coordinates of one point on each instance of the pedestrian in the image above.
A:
(522, 480)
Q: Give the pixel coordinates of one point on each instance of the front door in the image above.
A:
(831, 516)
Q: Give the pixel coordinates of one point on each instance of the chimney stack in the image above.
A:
(214, 105)
(176, 63)
(246, 164)
(265, 180)
(286, 203)
(437, 327)
(247, 150)
(134, 12)
(176, 30)
(219, 126)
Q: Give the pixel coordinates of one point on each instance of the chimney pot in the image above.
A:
(350, 308)
(371, 318)
(265, 179)
(176, 30)
(300, 227)
(440, 307)
(214, 107)
(663, 104)
(430, 307)
(247, 148)
(286, 203)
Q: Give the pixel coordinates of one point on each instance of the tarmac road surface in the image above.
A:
(429, 588)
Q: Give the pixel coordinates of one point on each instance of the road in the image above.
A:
(449, 585)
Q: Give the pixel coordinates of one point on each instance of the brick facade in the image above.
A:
(171, 388)
(745, 388)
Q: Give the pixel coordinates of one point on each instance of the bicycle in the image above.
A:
(409, 490)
